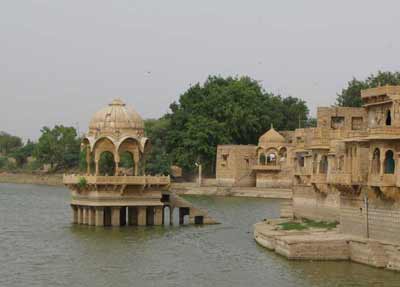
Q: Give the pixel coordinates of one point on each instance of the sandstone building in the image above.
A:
(345, 169)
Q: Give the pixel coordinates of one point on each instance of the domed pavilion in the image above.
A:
(273, 160)
(115, 190)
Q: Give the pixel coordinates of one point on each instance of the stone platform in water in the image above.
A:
(323, 244)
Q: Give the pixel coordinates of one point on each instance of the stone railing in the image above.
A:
(267, 167)
(118, 180)
(389, 131)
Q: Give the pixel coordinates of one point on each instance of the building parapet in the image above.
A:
(267, 167)
(380, 91)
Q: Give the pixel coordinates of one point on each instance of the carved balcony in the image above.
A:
(385, 180)
(339, 179)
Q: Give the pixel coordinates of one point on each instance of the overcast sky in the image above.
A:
(61, 60)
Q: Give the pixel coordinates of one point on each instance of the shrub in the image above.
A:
(82, 183)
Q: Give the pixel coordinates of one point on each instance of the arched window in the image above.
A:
(315, 163)
(107, 164)
(323, 164)
(376, 162)
(271, 159)
(389, 162)
(283, 154)
(126, 164)
(388, 118)
(262, 159)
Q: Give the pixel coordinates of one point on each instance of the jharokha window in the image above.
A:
(337, 122)
(356, 123)
(389, 162)
(323, 165)
(224, 159)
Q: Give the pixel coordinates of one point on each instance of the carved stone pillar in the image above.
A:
(99, 220)
(91, 216)
(85, 215)
(115, 216)
(158, 215)
(97, 167)
(116, 168)
(80, 215)
(142, 216)
(74, 214)
(88, 171)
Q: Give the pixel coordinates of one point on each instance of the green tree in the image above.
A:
(59, 147)
(9, 143)
(351, 95)
(225, 111)
(158, 160)
(21, 154)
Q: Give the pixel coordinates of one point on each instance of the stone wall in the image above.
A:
(380, 221)
(282, 179)
(234, 165)
(307, 203)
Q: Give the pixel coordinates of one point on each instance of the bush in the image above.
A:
(82, 183)
(3, 162)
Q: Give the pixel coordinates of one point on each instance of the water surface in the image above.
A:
(40, 247)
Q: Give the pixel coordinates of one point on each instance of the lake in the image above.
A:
(40, 247)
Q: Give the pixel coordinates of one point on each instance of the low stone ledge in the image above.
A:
(322, 244)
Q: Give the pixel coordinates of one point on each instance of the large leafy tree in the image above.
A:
(351, 95)
(9, 143)
(225, 111)
(58, 147)
(158, 161)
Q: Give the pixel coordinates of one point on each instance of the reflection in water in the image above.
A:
(39, 247)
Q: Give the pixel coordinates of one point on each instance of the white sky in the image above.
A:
(61, 60)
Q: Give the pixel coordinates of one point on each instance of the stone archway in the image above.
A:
(106, 164)
(126, 164)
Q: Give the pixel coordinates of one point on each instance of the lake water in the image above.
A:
(40, 247)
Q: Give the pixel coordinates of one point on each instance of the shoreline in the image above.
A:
(184, 188)
(26, 178)
(326, 245)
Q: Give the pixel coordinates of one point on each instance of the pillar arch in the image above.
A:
(106, 165)
(127, 164)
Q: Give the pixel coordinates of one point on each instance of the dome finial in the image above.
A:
(117, 102)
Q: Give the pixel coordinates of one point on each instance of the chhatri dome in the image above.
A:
(271, 136)
(117, 119)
